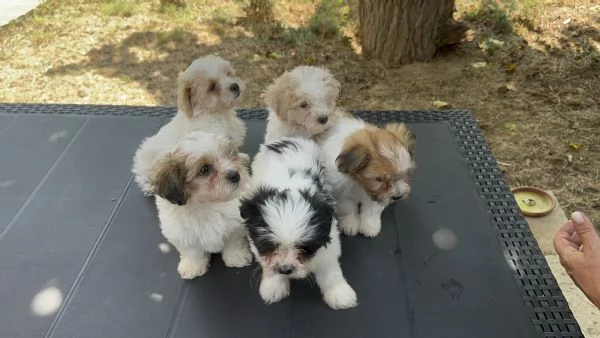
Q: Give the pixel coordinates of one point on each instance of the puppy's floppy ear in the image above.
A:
(333, 87)
(184, 95)
(169, 181)
(248, 208)
(278, 94)
(245, 159)
(401, 131)
(353, 159)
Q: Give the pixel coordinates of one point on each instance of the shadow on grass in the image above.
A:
(154, 58)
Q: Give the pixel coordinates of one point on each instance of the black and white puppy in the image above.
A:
(290, 217)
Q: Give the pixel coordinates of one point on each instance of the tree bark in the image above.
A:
(260, 11)
(403, 31)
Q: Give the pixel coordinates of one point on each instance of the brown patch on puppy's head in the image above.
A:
(208, 85)
(305, 97)
(203, 167)
(380, 160)
(170, 179)
(401, 131)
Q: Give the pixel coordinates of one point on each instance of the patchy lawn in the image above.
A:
(530, 72)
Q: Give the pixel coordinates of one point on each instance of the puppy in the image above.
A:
(289, 214)
(301, 102)
(368, 168)
(207, 93)
(196, 187)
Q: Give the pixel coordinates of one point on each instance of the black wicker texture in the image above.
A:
(550, 312)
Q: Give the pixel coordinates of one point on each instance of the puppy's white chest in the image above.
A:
(204, 227)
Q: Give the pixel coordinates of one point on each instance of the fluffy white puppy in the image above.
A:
(368, 168)
(207, 92)
(290, 217)
(301, 102)
(197, 185)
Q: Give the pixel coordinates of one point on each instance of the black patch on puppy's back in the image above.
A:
(315, 175)
(280, 146)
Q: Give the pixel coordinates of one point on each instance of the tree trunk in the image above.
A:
(403, 31)
(260, 11)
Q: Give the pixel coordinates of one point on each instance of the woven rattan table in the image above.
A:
(81, 254)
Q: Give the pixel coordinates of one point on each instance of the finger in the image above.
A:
(565, 247)
(575, 239)
(566, 232)
(584, 228)
(563, 244)
(568, 228)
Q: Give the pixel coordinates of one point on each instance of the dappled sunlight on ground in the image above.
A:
(47, 301)
(445, 239)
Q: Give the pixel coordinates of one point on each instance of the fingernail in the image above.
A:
(577, 217)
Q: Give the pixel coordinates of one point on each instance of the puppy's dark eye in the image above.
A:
(379, 179)
(205, 170)
(304, 104)
(212, 87)
(307, 251)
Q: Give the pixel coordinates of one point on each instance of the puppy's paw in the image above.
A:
(237, 258)
(370, 227)
(273, 290)
(340, 296)
(349, 224)
(190, 269)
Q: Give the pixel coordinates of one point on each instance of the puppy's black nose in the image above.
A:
(234, 88)
(285, 269)
(233, 176)
(322, 119)
(397, 197)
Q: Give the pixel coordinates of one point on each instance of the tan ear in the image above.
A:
(169, 180)
(277, 95)
(184, 95)
(333, 87)
(353, 159)
(245, 159)
(401, 131)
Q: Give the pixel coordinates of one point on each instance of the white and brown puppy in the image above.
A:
(301, 102)
(368, 168)
(197, 185)
(207, 92)
(290, 217)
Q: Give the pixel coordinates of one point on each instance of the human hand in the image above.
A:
(578, 247)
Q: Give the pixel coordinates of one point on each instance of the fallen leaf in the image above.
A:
(511, 86)
(575, 146)
(309, 60)
(496, 42)
(441, 104)
(479, 64)
(510, 126)
(510, 67)
(567, 21)
(490, 45)
(273, 55)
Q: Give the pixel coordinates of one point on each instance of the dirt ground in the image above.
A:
(529, 70)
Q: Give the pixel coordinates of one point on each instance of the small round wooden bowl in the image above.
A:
(533, 202)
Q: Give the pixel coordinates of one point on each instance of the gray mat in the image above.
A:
(81, 254)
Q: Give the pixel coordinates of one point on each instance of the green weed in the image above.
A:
(117, 8)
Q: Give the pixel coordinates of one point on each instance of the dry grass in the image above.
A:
(543, 127)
